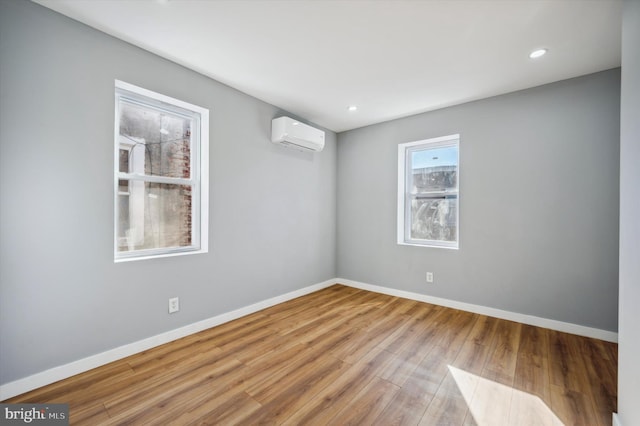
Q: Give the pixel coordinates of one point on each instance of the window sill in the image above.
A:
(158, 256)
(429, 245)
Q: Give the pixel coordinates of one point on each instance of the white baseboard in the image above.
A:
(566, 327)
(616, 420)
(55, 374)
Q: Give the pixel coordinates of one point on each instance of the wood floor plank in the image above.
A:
(274, 364)
(367, 405)
(483, 331)
(233, 410)
(572, 407)
(405, 408)
(289, 394)
(322, 407)
(456, 327)
(174, 403)
(307, 360)
(530, 410)
(293, 319)
(448, 406)
(566, 364)
(411, 352)
(471, 358)
(353, 350)
(318, 326)
(427, 377)
(131, 400)
(399, 306)
(415, 329)
(602, 377)
(471, 421)
(532, 365)
(467, 369)
(503, 357)
(229, 330)
(348, 356)
(88, 414)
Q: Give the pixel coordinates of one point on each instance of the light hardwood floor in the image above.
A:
(347, 356)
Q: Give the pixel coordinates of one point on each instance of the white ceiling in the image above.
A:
(390, 58)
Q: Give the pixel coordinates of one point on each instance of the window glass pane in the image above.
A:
(434, 219)
(160, 141)
(123, 186)
(157, 216)
(124, 160)
(123, 219)
(428, 197)
(434, 169)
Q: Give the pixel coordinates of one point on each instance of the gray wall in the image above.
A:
(539, 203)
(629, 341)
(272, 210)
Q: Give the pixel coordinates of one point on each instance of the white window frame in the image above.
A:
(135, 191)
(404, 195)
(199, 179)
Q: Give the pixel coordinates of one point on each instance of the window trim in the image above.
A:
(404, 149)
(199, 181)
(132, 189)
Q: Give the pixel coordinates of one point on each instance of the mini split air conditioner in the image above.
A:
(290, 132)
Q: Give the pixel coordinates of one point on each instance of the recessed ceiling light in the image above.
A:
(537, 53)
(352, 108)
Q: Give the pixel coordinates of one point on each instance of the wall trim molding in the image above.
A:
(55, 374)
(616, 420)
(566, 327)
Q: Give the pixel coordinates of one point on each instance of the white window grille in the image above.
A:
(161, 175)
(428, 192)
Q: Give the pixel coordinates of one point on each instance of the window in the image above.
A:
(161, 175)
(428, 197)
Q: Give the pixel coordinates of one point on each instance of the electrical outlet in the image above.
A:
(174, 305)
(429, 277)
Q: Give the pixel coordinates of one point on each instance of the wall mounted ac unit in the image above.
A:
(290, 132)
